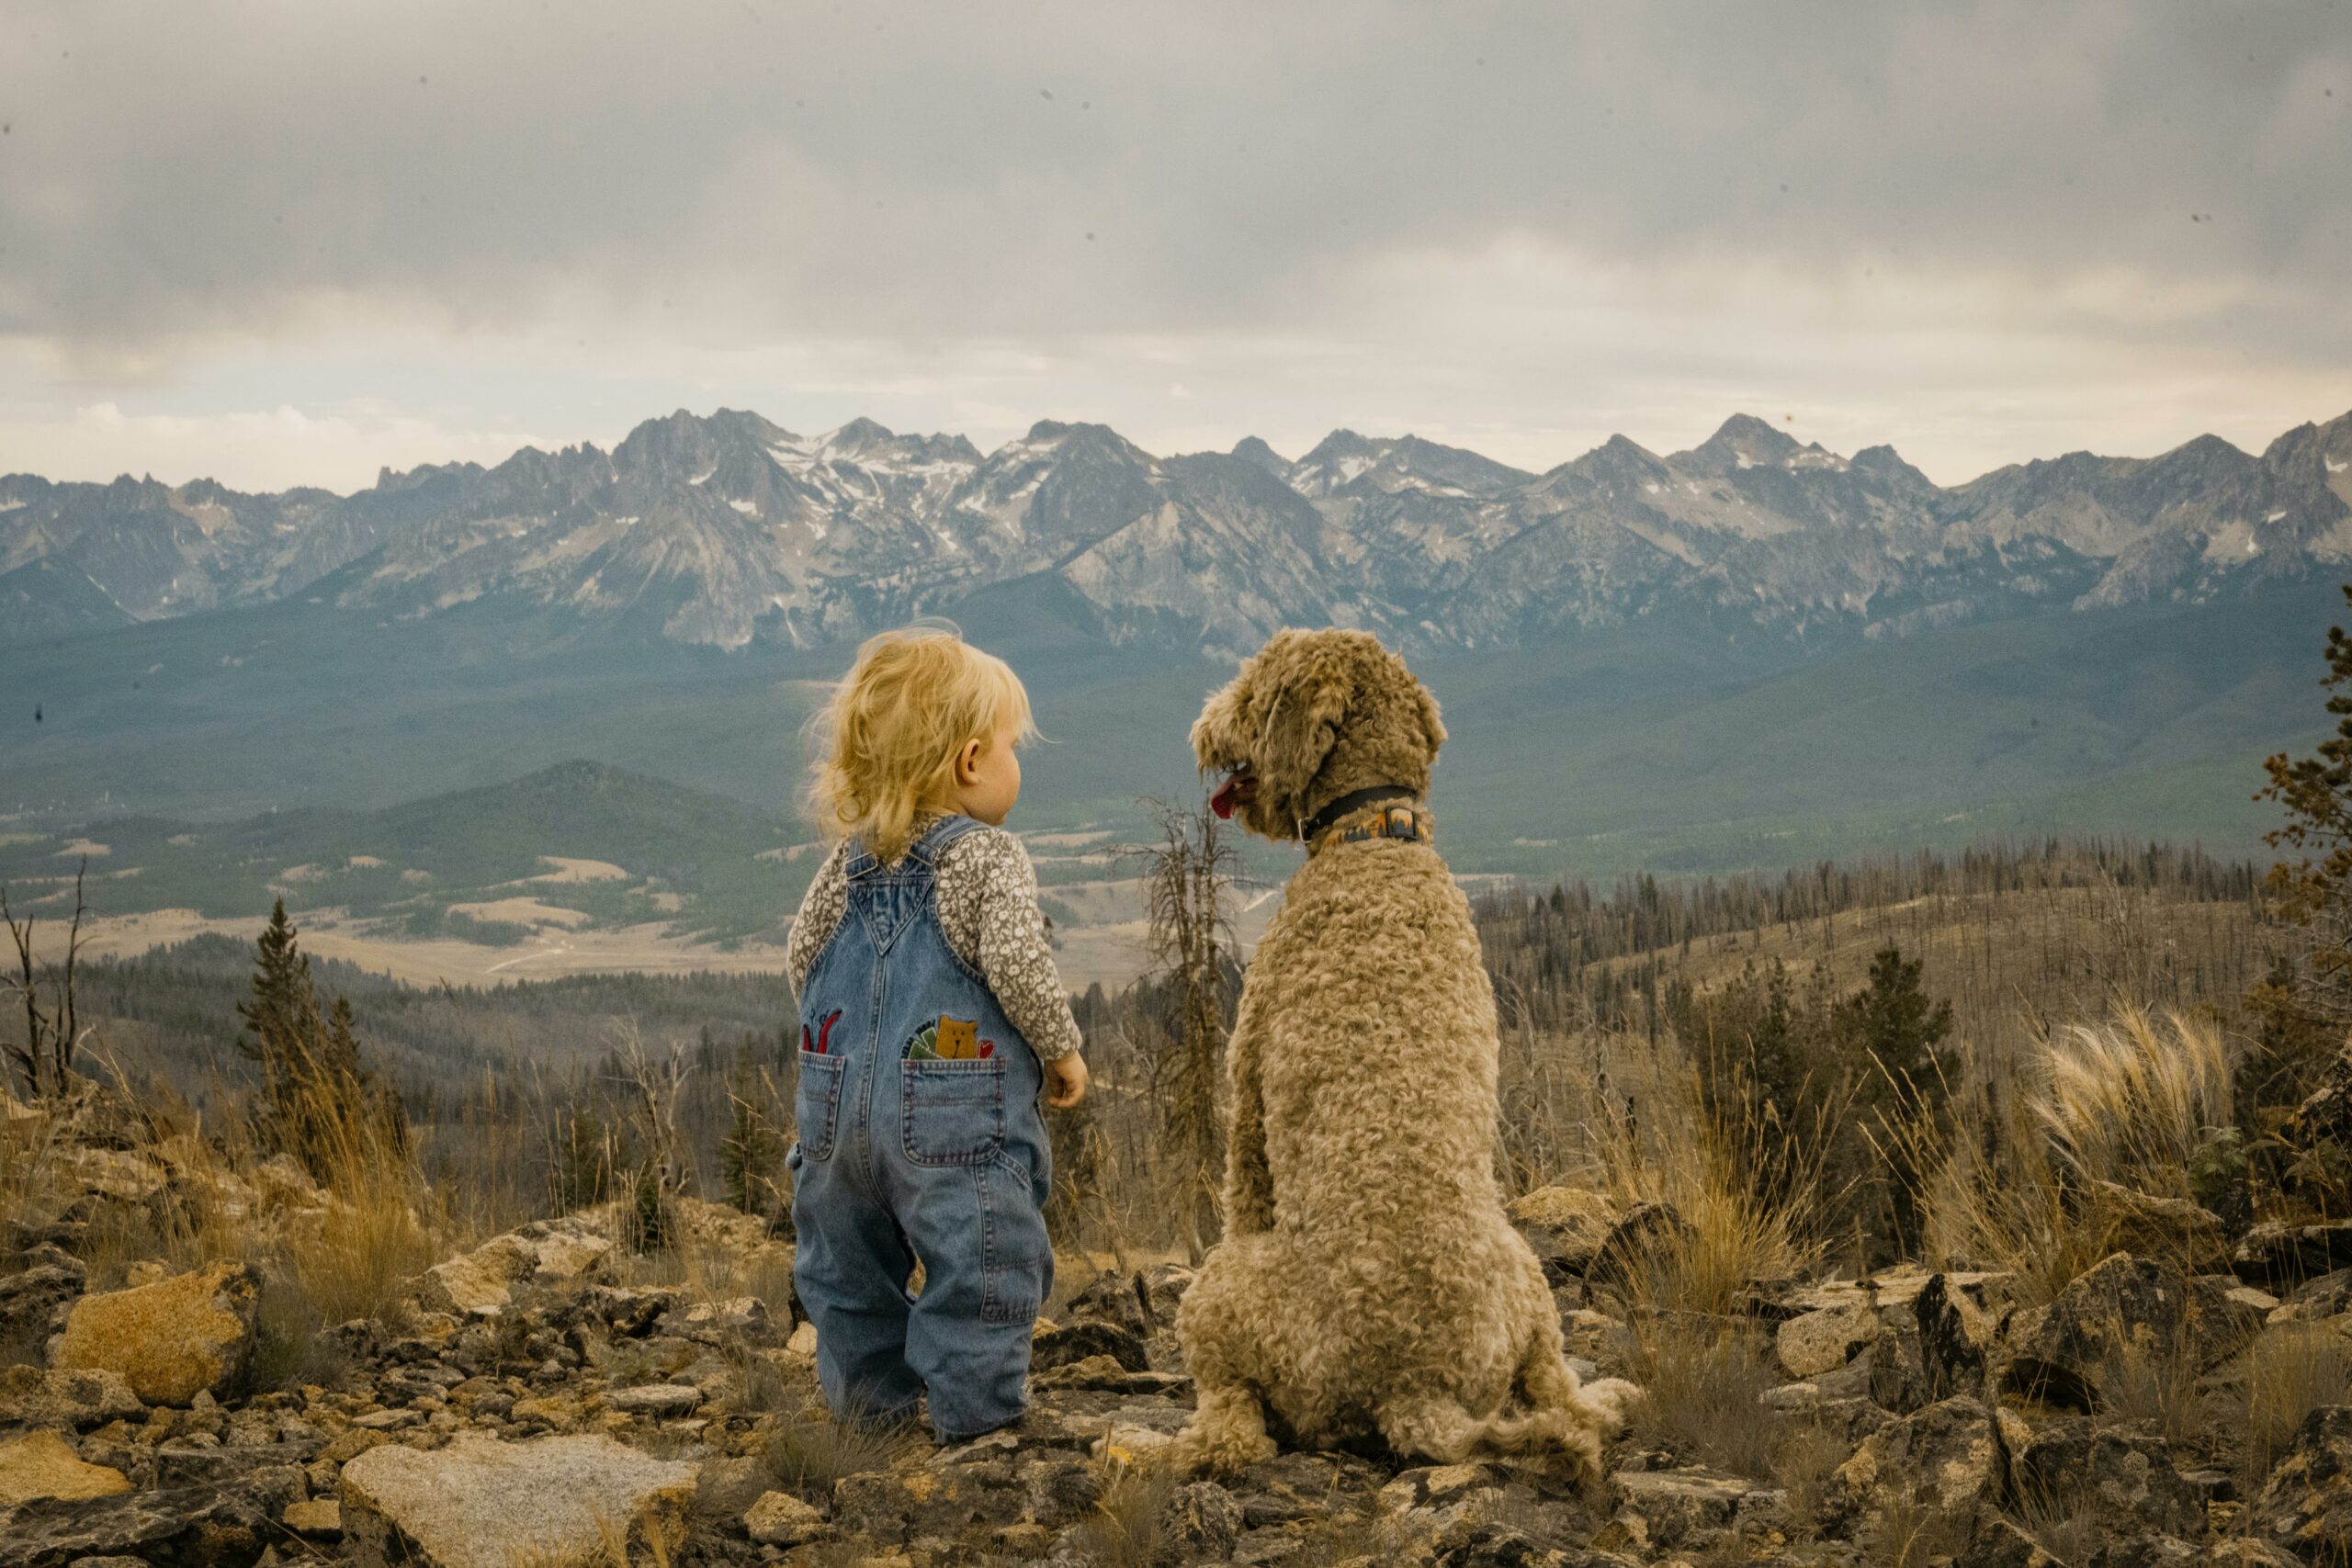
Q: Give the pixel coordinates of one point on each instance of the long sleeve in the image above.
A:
(988, 907)
(819, 917)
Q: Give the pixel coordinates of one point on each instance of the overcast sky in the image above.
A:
(285, 244)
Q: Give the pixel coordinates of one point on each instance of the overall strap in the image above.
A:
(926, 849)
(940, 834)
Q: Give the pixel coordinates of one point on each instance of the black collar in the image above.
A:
(1354, 800)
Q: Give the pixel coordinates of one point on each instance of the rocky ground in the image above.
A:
(529, 1404)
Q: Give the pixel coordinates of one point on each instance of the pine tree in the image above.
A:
(320, 1103)
(2314, 892)
(1896, 1030)
(277, 1016)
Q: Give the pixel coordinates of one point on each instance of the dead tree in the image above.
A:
(44, 1059)
(1188, 871)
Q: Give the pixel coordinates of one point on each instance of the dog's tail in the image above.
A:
(1563, 1434)
(1565, 1422)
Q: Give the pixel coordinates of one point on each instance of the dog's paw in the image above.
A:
(1214, 1450)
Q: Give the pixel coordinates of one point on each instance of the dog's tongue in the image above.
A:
(1226, 793)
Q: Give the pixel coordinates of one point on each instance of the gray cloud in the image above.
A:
(2132, 177)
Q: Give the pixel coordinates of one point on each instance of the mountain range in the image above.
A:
(728, 531)
(1753, 653)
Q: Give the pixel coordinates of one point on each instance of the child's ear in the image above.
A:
(967, 762)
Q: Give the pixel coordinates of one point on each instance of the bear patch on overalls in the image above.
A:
(920, 1138)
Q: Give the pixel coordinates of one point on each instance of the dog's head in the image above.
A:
(1312, 716)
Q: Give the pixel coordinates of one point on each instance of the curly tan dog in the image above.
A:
(1368, 1281)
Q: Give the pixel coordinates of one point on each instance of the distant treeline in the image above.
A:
(1559, 959)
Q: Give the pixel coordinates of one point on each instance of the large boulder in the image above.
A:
(2122, 1319)
(1945, 1458)
(482, 1283)
(31, 1299)
(481, 1503)
(1954, 1334)
(172, 1340)
(2282, 1255)
(1074, 1342)
(35, 1396)
(2125, 1479)
(1566, 1226)
(2306, 1506)
(38, 1464)
(1824, 1340)
(184, 1527)
(1691, 1510)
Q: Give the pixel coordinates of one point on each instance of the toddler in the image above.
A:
(931, 1018)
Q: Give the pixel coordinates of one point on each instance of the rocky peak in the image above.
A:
(1743, 441)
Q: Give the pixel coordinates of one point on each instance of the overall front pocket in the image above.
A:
(954, 1111)
(816, 1103)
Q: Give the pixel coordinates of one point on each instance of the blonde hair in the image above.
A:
(885, 744)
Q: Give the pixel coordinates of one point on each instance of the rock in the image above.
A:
(2324, 1297)
(1113, 1298)
(1944, 1457)
(38, 1464)
(1076, 1341)
(1640, 1235)
(29, 1300)
(1101, 1374)
(723, 1323)
(1898, 1366)
(1997, 1542)
(2123, 1314)
(2147, 1552)
(1201, 1522)
(1162, 1287)
(2306, 1506)
(32, 1396)
(1896, 1287)
(1953, 1336)
(1662, 1509)
(481, 1503)
(188, 1527)
(1567, 1227)
(1822, 1341)
(2281, 1255)
(170, 1341)
(803, 1341)
(779, 1518)
(482, 1282)
(2126, 1481)
(321, 1519)
(655, 1399)
(386, 1420)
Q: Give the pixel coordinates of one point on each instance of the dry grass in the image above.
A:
(1127, 1527)
(1912, 1535)
(2291, 1370)
(2160, 1392)
(1703, 1379)
(2075, 1150)
(810, 1451)
(2129, 1102)
(1804, 1464)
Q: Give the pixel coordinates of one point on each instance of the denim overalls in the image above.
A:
(904, 1158)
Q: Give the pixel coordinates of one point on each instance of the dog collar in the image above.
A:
(1397, 822)
(1354, 800)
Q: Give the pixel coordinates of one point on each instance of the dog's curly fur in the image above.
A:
(1368, 1281)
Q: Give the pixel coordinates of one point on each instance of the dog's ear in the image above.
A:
(1302, 722)
(1432, 727)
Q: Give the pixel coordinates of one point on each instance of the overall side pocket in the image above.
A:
(816, 1103)
(954, 1110)
(1016, 1258)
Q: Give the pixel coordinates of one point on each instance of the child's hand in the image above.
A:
(1064, 1081)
